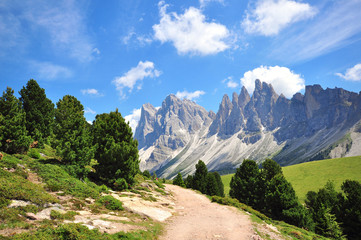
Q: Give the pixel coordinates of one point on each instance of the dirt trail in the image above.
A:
(198, 218)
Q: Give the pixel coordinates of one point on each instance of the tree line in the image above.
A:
(326, 212)
(104, 150)
(209, 183)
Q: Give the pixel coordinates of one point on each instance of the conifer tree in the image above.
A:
(219, 183)
(179, 180)
(13, 135)
(73, 138)
(189, 181)
(39, 111)
(245, 183)
(117, 151)
(199, 179)
(211, 185)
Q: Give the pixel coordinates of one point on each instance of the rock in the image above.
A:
(152, 210)
(45, 214)
(31, 216)
(19, 203)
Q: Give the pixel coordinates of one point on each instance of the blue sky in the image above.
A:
(122, 54)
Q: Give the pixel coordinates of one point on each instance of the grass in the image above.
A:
(226, 179)
(312, 176)
(56, 179)
(78, 231)
(14, 184)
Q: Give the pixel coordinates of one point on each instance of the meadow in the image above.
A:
(312, 176)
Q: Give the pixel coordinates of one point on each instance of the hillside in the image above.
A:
(312, 176)
(40, 200)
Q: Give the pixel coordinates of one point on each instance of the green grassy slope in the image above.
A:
(226, 179)
(312, 176)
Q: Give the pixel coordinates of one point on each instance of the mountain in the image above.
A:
(319, 124)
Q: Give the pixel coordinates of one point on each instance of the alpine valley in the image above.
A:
(322, 123)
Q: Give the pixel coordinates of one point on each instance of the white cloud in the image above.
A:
(91, 91)
(333, 28)
(50, 71)
(132, 37)
(190, 33)
(62, 23)
(89, 110)
(135, 76)
(96, 50)
(352, 74)
(190, 95)
(204, 3)
(282, 79)
(230, 83)
(269, 17)
(133, 118)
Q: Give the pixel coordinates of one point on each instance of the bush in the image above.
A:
(120, 184)
(62, 216)
(109, 202)
(146, 174)
(33, 153)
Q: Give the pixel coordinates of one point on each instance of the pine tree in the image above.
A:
(13, 135)
(270, 169)
(245, 183)
(179, 180)
(39, 111)
(199, 179)
(351, 208)
(219, 183)
(73, 138)
(117, 151)
(211, 185)
(189, 181)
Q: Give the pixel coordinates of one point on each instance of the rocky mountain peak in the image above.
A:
(224, 111)
(235, 99)
(181, 132)
(243, 98)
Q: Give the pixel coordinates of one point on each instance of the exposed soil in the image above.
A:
(198, 218)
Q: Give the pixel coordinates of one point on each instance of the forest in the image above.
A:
(104, 151)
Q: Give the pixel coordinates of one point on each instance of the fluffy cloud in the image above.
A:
(50, 71)
(190, 33)
(282, 79)
(230, 83)
(91, 91)
(352, 74)
(134, 76)
(269, 17)
(190, 95)
(133, 118)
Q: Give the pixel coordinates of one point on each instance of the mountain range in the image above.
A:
(322, 123)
